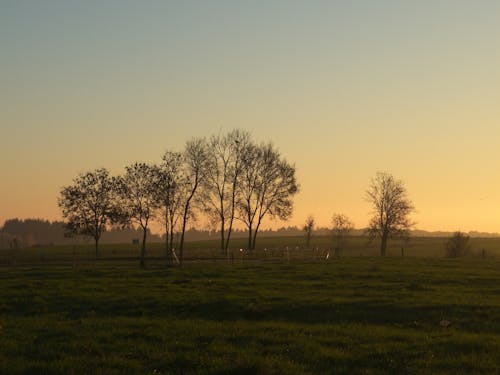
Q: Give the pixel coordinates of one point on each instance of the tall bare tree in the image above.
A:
(88, 204)
(391, 208)
(221, 180)
(168, 194)
(341, 228)
(308, 229)
(138, 198)
(267, 187)
(194, 171)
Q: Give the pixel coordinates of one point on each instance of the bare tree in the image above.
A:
(221, 180)
(341, 228)
(458, 245)
(241, 140)
(194, 171)
(138, 198)
(88, 205)
(168, 194)
(391, 208)
(267, 187)
(308, 229)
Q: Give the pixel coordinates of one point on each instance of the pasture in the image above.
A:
(277, 249)
(271, 312)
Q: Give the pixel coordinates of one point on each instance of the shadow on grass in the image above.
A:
(369, 311)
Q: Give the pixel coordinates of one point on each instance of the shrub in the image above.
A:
(458, 245)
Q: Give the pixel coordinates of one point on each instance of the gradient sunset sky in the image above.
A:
(343, 88)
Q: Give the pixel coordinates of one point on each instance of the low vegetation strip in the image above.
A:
(271, 249)
(353, 315)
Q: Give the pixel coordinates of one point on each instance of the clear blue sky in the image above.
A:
(344, 89)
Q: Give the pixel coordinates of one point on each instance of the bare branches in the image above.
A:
(391, 208)
(194, 171)
(226, 177)
(224, 167)
(168, 195)
(267, 187)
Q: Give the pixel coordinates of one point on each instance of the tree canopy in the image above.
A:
(391, 208)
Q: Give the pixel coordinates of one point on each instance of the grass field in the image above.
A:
(277, 249)
(296, 314)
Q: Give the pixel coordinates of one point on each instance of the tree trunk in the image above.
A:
(143, 248)
(255, 233)
(181, 244)
(383, 244)
(96, 247)
(222, 238)
(250, 237)
(172, 239)
(228, 236)
(184, 221)
(233, 204)
(167, 252)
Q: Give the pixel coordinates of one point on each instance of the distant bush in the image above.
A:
(458, 245)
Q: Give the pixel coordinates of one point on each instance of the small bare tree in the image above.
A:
(138, 190)
(341, 228)
(88, 205)
(458, 245)
(391, 209)
(308, 229)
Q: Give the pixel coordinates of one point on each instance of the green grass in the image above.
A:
(363, 315)
(277, 249)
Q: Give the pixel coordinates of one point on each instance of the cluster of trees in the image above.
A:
(226, 177)
(342, 227)
(21, 233)
(391, 209)
(17, 233)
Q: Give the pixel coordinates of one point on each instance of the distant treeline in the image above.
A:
(17, 233)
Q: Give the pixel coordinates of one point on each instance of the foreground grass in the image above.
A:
(354, 315)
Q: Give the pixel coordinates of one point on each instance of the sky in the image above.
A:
(343, 89)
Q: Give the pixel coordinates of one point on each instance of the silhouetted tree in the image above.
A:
(220, 187)
(308, 229)
(267, 186)
(88, 205)
(391, 208)
(458, 245)
(194, 171)
(138, 189)
(168, 195)
(341, 228)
